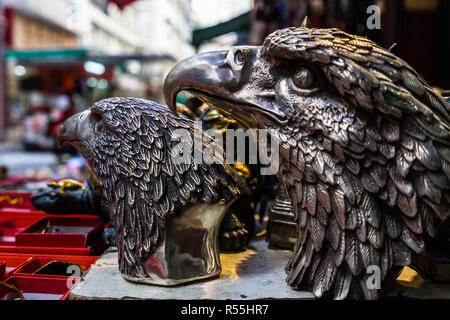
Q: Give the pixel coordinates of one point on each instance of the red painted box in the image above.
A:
(61, 231)
(2, 270)
(16, 199)
(32, 266)
(12, 261)
(12, 223)
(35, 288)
(89, 251)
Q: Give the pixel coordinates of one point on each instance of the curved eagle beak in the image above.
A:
(78, 131)
(221, 79)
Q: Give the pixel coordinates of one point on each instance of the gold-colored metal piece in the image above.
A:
(46, 228)
(13, 288)
(306, 23)
(203, 107)
(410, 278)
(18, 200)
(243, 170)
(67, 184)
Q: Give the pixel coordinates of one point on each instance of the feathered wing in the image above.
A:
(144, 184)
(378, 183)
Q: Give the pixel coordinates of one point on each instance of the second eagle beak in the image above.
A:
(203, 72)
(219, 79)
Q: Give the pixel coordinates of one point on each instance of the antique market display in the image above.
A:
(364, 146)
(165, 205)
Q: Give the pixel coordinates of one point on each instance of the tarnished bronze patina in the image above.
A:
(365, 148)
(166, 211)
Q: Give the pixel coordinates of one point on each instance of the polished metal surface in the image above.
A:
(166, 210)
(364, 147)
(282, 227)
(189, 249)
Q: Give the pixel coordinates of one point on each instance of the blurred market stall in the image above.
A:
(61, 56)
(59, 61)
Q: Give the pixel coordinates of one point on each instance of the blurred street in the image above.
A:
(19, 162)
(60, 57)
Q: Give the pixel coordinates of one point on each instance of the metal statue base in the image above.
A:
(189, 250)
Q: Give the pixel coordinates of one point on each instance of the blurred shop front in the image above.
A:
(46, 78)
(49, 77)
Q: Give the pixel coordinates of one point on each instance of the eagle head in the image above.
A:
(258, 86)
(133, 146)
(313, 78)
(365, 147)
(97, 131)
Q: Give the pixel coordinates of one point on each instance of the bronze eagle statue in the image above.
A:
(72, 197)
(364, 148)
(166, 211)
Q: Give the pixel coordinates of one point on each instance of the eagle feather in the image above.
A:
(395, 187)
(141, 179)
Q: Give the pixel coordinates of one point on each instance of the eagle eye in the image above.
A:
(98, 126)
(304, 78)
(96, 115)
(239, 57)
(236, 58)
(98, 121)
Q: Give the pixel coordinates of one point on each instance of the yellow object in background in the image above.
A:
(67, 184)
(421, 5)
(410, 278)
(18, 200)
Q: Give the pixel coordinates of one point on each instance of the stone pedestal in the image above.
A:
(256, 273)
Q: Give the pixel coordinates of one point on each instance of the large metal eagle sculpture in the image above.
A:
(166, 211)
(365, 148)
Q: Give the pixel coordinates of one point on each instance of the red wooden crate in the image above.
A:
(15, 260)
(12, 223)
(72, 232)
(35, 288)
(47, 250)
(22, 211)
(31, 266)
(2, 270)
(16, 199)
(12, 261)
(45, 214)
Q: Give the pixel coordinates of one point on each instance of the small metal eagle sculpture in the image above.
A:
(365, 148)
(166, 211)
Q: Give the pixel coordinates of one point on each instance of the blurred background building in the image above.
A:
(60, 56)
(63, 55)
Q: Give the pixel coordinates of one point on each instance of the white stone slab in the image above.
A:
(256, 273)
